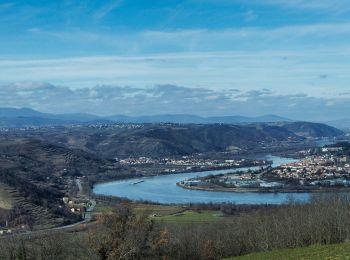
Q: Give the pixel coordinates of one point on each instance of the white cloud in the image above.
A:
(283, 59)
(171, 99)
(283, 72)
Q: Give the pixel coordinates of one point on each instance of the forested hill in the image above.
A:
(307, 129)
(156, 140)
(39, 174)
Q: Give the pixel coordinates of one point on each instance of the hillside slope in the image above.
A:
(40, 174)
(155, 140)
(312, 130)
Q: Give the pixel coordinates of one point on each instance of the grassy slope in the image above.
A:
(336, 251)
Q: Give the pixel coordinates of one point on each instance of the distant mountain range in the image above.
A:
(30, 113)
(22, 117)
(196, 135)
(185, 118)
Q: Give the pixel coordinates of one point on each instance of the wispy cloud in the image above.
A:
(250, 15)
(291, 37)
(329, 5)
(106, 9)
(282, 72)
(325, 5)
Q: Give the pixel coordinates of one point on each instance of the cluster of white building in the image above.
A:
(184, 161)
(315, 168)
(112, 126)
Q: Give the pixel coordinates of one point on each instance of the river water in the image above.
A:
(163, 189)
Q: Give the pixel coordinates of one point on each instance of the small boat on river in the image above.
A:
(137, 182)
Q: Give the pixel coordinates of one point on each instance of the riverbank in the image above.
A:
(264, 190)
(162, 189)
(181, 171)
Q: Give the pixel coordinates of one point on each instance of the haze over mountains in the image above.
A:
(14, 117)
(187, 118)
(27, 117)
(343, 124)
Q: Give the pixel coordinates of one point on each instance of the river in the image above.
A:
(163, 189)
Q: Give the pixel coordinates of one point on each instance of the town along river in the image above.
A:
(163, 189)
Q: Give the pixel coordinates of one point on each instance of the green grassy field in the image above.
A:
(102, 208)
(177, 214)
(336, 251)
(141, 209)
(189, 216)
(156, 210)
(6, 201)
(168, 214)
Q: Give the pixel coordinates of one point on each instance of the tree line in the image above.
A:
(124, 235)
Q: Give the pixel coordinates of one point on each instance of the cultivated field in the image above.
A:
(168, 214)
(190, 216)
(6, 201)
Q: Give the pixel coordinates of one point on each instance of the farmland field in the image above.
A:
(5, 198)
(156, 210)
(189, 216)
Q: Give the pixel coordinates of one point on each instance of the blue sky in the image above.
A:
(208, 57)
